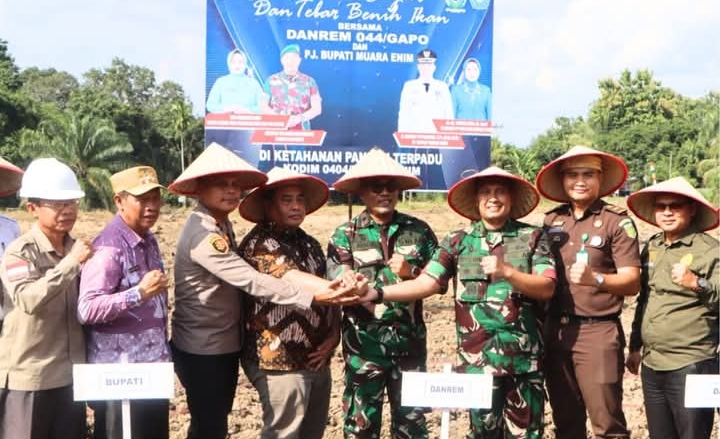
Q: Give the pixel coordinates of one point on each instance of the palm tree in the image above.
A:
(90, 146)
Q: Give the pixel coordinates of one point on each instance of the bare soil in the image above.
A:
(245, 421)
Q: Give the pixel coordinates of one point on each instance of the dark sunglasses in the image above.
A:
(674, 206)
(377, 188)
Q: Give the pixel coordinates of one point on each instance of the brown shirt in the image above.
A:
(41, 338)
(611, 243)
(208, 278)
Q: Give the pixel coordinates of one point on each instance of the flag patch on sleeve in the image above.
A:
(18, 270)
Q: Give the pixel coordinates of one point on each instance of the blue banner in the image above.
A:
(313, 84)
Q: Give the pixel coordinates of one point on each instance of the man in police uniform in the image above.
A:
(209, 280)
(380, 341)
(424, 99)
(676, 319)
(10, 177)
(504, 269)
(599, 258)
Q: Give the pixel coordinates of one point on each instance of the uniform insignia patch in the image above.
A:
(595, 241)
(687, 259)
(598, 223)
(219, 244)
(558, 223)
(629, 228)
(18, 271)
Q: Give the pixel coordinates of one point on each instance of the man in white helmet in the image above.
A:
(39, 271)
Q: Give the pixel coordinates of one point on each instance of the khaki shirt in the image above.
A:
(41, 338)
(677, 326)
(209, 275)
(612, 243)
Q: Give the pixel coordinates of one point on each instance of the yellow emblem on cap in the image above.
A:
(219, 244)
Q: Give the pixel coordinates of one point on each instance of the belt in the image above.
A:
(566, 319)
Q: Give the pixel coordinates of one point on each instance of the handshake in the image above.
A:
(349, 289)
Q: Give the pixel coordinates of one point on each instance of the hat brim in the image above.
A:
(549, 180)
(191, 186)
(143, 188)
(315, 191)
(357, 184)
(462, 196)
(642, 204)
(10, 178)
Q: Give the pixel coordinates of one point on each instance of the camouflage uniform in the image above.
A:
(380, 341)
(497, 330)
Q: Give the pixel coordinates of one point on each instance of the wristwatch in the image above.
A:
(702, 285)
(599, 279)
(380, 295)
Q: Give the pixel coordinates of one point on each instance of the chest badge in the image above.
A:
(598, 223)
(687, 259)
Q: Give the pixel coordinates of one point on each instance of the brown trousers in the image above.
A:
(41, 414)
(584, 365)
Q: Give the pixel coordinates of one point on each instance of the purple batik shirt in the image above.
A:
(117, 320)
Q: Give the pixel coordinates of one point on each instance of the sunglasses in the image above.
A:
(674, 206)
(378, 188)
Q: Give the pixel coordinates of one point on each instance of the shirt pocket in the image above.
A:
(473, 280)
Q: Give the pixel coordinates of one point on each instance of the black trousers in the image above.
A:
(148, 419)
(41, 414)
(664, 394)
(210, 382)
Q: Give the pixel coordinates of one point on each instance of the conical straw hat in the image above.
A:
(216, 159)
(549, 179)
(642, 202)
(10, 177)
(373, 165)
(463, 200)
(315, 190)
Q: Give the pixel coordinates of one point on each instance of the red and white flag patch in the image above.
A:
(18, 270)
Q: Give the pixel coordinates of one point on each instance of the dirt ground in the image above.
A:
(245, 420)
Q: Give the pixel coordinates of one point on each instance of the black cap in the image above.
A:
(426, 56)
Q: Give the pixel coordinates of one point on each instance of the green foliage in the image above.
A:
(48, 86)
(9, 72)
(90, 146)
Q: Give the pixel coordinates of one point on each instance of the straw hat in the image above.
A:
(549, 179)
(642, 202)
(376, 164)
(216, 160)
(462, 196)
(10, 177)
(315, 190)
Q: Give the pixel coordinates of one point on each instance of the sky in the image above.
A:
(548, 55)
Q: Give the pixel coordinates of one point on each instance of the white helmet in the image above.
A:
(50, 179)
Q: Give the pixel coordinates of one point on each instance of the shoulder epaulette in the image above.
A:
(616, 209)
(557, 209)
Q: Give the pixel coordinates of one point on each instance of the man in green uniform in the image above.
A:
(676, 319)
(380, 341)
(598, 264)
(504, 268)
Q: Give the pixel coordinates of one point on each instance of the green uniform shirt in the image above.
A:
(675, 325)
(497, 332)
(394, 329)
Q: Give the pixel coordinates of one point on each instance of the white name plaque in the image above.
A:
(117, 381)
(702, 391)
(446, 390)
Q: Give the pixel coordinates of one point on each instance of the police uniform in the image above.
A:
(9, 230)
(207, 320)
(379, 341)
(421, 101)
(584, 338)
(41, 339)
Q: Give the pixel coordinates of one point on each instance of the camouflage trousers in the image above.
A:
(518, 405)
(365, 384)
